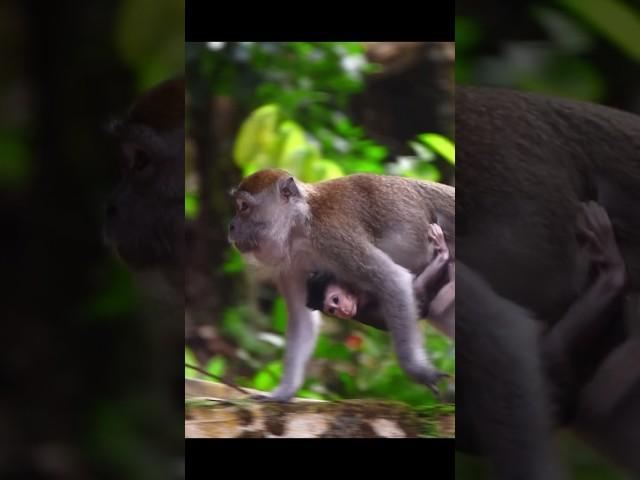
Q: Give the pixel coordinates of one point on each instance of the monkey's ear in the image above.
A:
(288, 188)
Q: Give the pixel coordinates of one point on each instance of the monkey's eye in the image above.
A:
(243, 206)
(332, 311)
(335, 300)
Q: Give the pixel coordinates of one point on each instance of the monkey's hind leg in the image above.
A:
(502, 399)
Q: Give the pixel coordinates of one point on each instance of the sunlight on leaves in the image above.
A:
(441, 145)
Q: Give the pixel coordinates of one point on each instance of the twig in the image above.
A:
(219, 379)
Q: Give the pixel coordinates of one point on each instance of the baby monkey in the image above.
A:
(433, 288)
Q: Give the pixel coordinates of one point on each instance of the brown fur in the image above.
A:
(161, 108)
(261, 180)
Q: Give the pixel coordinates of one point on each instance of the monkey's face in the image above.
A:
(339, 302)
(145, 214)
(248, 224)
(252, 229)
(264, 221)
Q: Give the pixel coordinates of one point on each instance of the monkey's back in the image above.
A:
(526, 161)
(377, 201)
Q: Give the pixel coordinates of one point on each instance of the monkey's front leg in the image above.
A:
(395, 291)
(301, 337)
(502, 406)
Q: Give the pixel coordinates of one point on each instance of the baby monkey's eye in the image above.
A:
(243, 206)
(332, 310)
(335, 299)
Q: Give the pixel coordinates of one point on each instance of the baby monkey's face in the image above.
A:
(340, 302)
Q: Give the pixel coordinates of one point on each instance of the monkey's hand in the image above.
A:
(595, 225)
(436, 237)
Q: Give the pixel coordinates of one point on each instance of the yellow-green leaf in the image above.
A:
(257, 137)
(616, 20)
(441, 145)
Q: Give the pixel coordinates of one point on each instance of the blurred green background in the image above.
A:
(83, 395)
(319, 110)
(581, 49)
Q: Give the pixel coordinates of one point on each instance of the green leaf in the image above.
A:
(279, 316)
(149, 36)
(468, 33)
(257, 137)
(293, 152)
(324, 170)
(427, 171)
(565, 76)
(310, 394)
(235, 263)
(268, 378)
(422, 151)
(348, 382)
(190, 358)
(375, 152)
(331, 350)
(441, 145)
(191, 205)
(615, 20)
(216, 366)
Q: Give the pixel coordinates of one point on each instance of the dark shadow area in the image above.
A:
(85, 390)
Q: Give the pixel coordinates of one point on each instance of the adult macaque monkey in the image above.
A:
(525, 163)
(144, 223)
(145, 214)
(368, 229)
(434, 289)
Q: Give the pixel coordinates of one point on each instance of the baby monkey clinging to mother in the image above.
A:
(434, 290)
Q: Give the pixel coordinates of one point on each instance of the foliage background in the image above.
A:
(319, 110)
(587, 50)
(82, 394)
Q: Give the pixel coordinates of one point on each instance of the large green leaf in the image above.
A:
(257, 137)
(441, 145)
(614, 19)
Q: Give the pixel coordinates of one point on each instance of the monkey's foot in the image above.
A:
(449, 396)
(435, 235)
(432, 383)
(596, 226)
